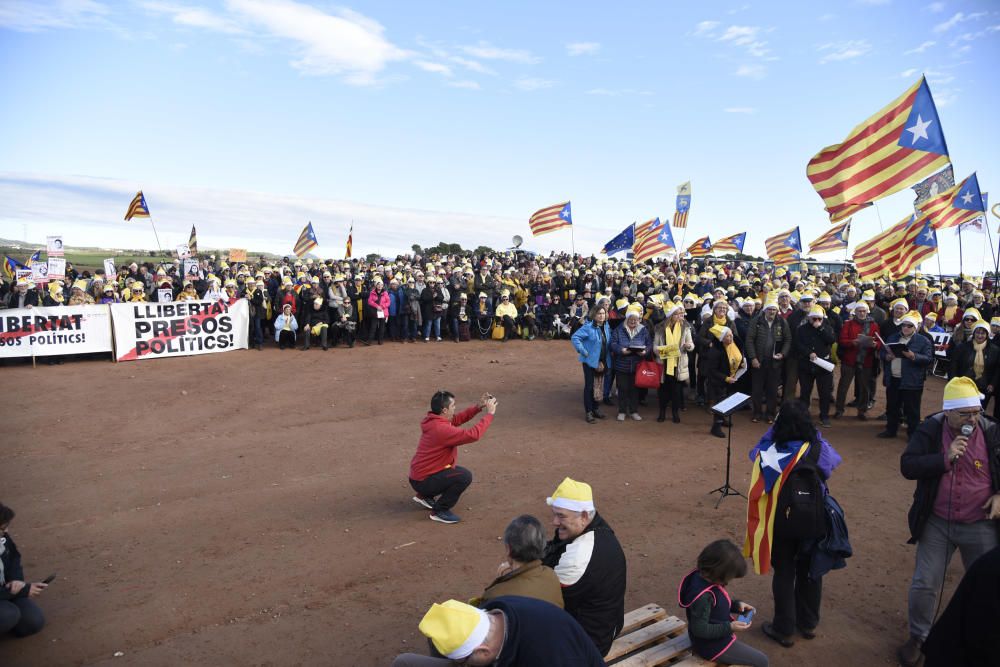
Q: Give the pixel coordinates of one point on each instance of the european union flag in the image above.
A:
(622, 242)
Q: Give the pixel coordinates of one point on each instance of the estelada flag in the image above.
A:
(771, 469)
(137, 208)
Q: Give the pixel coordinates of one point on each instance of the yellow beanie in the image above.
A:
(961, 392)
(572, 495)
(456, 629)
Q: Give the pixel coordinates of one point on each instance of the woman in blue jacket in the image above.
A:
(630, 344)
(592, 342)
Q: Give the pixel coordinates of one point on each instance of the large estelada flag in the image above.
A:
(784, 248)
(550, 218)
(732, 243)
(880, 254)
(307, 241)
(701, 248)
(959, 204)
(893, 149)
(771, 469)
(138, 208)
(833, 239)
(919, 243)
(683, 205)
(652, 238)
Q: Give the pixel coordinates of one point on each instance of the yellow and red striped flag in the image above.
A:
(880, 254)
(784, 248)
(306, 241)
(733, 244)
(771, 469)
(959, 204)
(652, 238)
(701, 248)
(835, 238)
(138, 208)
(350, 242)
(896, 147)
(919, 243)
(550, 218)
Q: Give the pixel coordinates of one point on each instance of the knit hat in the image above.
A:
(933, 317)
(456, 629)
(572, 495)
(961, 392)
(720, 331)
(912, 317)
(817, 311)
(900, 302)
(972, 312)
(995, 322)
(635, 310)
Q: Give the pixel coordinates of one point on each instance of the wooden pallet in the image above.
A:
(651, 638)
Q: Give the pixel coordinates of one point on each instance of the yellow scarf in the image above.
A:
(735, 358)
(979, 364)
(722, 322)
(949, 313)
(672, 347)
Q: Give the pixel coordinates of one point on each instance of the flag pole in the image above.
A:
(572, 240)
(989, 240)
(961, 269)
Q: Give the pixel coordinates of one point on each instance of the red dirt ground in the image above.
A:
(252, 508)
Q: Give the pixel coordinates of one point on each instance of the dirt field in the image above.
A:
(252, 508)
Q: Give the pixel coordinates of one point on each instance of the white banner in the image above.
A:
(181, 328)
(57, 268)
(42, 332)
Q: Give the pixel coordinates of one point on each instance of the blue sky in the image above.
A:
(444, 121)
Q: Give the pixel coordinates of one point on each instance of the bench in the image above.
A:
(651, 638)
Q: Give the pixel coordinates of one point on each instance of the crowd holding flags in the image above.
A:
(700, 248)
(784, 248)
(307, 241)
(652, 238)
(138, 208)
(732, 243)
(550, 218)
(833, 239)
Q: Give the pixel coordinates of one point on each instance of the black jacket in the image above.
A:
(964, 356)
(540, 633)
(12, 569)
(597, 599)
(810, 339)
(757, 338)
(923, 461)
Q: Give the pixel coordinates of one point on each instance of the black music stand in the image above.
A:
(726, 409)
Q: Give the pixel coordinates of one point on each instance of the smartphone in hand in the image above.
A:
(49, 579)
(746, 617)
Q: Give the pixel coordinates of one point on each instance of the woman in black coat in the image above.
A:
(963, 362)
(432, 308)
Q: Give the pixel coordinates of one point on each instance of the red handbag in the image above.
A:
(647, 375)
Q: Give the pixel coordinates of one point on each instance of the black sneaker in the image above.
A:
(590, 418)
(444, 516)
(597, 415)
(825, 423)
(425, 502)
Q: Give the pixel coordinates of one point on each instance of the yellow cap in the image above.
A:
(635, 310)
(720, 331)
(961, 392)
(456, 629)
(572, 495)
(817, 311)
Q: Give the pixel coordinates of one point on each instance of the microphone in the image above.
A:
(967, 430)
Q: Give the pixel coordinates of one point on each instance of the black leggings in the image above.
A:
(671, 391)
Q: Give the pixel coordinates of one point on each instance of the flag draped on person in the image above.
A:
(652, 238)
(784, 248)
(683, 205)
(899, 145)
(700, 248)
(550, 218)
(771, 469)
(350, 242)
(880, 254)
(835, 238)
(959, 204)
(732, 243)
(307, 241)
(623, 242)
(138, 208)
(193, 241)
(919, 243)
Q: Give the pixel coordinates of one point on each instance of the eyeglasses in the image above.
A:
(967, 414)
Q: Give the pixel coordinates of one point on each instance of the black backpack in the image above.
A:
(801, 511)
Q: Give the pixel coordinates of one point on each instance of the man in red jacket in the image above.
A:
(433, 474)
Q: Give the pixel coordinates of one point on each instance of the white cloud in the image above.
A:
(744, 110)
(468, 85)
(487, 51)
(37, 15)
(472, 65)
(433, 67)
(194, 17)
(906, 74)
(603, 92)
(349, 45)
(960, 17)
(705, 28)
(920, 49)
(935, 7)
(839, 51)
(529, 84)
(751, 70)
(583, 48)
(740, 34)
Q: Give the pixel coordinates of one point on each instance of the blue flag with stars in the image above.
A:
(620, 243)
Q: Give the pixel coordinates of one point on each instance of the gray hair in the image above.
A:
(525, 539)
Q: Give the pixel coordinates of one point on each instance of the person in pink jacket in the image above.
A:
(378, 301)
(433, 474)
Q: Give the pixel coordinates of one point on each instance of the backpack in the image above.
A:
(801, 511)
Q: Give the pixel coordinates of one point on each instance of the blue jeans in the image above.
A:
(436, 322)
(934, 551)
(257, 331)
(412, 328)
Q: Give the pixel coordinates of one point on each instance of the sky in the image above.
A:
(431, 121)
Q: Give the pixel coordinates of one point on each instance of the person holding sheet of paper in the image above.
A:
(722, 364)
(905, 357)
(813, 341)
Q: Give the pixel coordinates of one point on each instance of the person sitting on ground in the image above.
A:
(317, 324)
(511, 631)
(589, 562)
(709, 608)
(506, 316)
(521, 572)
(433, 474)
(18, 611)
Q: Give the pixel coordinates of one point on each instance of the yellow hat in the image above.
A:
(972, 312)
(572, 495)
(961, 392)
(868, 295)
(772, 301)
(621, 303)
(635, 310)
(720, 331)
(456, 629)
(899, 302)
(817, 311)
(995, 322)
(913, 317)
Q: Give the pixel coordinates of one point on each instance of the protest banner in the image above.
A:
(237, 254)
(109, 269)
(42, 332)
(181, 328)
(57, 268)
(164, 295)
(191, 269)
(40, 272)
(183, 251)
(26, 274)
(54, 246)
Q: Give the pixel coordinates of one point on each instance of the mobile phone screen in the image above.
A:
(49, 579)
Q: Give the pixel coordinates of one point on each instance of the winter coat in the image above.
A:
(912, 375)
(621, 339)
(587, 343)
(440, 439)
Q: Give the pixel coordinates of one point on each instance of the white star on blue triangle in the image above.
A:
(793, 240)
(666, 237)
(922, 129)
(565, 213)
(969, 198)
